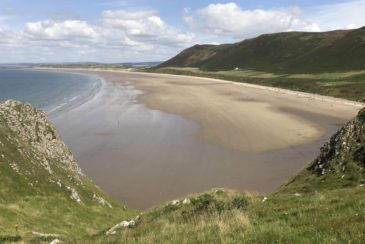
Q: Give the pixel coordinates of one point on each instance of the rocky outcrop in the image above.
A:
(31, 147)
(32, 127)
(344, 147)
(123, 224)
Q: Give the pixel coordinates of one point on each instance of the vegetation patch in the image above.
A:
(348, 85)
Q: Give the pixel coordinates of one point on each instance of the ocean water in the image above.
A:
(53, 92)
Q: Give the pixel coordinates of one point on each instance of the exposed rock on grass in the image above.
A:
(345, 149)
(123, 224)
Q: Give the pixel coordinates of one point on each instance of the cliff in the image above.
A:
(42, 189)
(345, 150)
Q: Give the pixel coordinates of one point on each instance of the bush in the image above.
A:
(170, 208)
(354, 173)
(16, 238)
(203, 202)
(240, 202)
(359, 155)
(207, 202)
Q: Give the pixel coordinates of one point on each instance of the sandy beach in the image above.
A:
(242, 118)
(186, 134)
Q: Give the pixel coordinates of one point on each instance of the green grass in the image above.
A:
(327, 63)
(324, 216)
(288, 52)
(348, 85)
(312, 207)
(55, 214)
(30, 198)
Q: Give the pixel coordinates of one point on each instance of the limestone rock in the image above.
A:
(348, 144)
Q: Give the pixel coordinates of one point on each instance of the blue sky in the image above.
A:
(170, 11)
(141, 30)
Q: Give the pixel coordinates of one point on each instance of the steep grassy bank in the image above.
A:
(324, 203)
(42, 189)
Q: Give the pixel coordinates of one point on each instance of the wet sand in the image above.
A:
(186, 134)
(240, 118)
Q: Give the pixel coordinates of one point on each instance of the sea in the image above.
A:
(53, 92)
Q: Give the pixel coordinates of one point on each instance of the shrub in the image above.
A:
(16, 238)
(203, 202)
(240, 202)
(170, 208)
(359, 155)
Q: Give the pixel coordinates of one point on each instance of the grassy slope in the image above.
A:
(323, 204)
(324, 216)
(292, 52)
(349, 85)
(31, 198)
(328, 63)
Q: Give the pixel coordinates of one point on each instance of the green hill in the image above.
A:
(44, 196)
(327, 63)
(294, 52)
(43, 193)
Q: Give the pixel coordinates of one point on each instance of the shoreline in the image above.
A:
(51, 91)
(246, 139)
(58, 111)
(162, 96)
(318, 97)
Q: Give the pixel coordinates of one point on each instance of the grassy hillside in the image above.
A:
(348, 85)
(224, 216)
(327, 63)
(298, 52)
(324, 203)
(43, 193)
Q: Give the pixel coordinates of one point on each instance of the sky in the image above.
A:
(114, 31)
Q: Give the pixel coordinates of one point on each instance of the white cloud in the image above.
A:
(128, 15)
(351, 26)
(49, 29)
(115, 37)
(145, 26)
(140, 35)
(344, 15)
(231, 20)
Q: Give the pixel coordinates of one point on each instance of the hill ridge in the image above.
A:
(338, 50)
